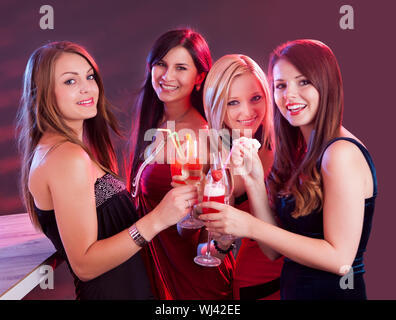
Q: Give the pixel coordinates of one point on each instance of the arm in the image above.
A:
(258, 165)
(72, 192)
(260, 208)
(344, 182)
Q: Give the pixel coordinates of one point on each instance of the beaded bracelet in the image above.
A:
(232, 246)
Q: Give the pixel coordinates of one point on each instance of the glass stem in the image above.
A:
(208, 245)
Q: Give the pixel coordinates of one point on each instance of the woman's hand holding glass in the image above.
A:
(218, 187)
(175, 205)
(230, 223)
(227, 220)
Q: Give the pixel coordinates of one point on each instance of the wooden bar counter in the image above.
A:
(23, 253)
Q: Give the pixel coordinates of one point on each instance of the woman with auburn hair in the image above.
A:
(237, 97)
(322, 186)
(171, 98)
(69, 180)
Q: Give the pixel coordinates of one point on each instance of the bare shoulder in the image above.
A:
(342, 153)
(68, 154)
(69, 160)
(344, 166)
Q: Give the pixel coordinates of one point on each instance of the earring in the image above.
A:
(197, 87)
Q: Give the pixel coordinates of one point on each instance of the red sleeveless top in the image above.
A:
(169, 257)
(256, 277)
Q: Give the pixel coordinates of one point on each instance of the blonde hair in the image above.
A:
(217, 87)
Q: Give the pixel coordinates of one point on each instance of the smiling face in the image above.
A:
(296, 98)
(245, 103)
(75, 89)
(174, 76)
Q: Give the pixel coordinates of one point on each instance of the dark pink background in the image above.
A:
(119, 34)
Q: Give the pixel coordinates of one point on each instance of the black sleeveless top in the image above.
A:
(115, 213)
(301, 282)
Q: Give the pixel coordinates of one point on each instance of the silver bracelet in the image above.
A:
(136, 236)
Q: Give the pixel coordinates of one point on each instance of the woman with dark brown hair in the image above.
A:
(69, 180)
(171, 98)
(322, 186)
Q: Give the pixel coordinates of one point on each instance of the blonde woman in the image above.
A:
(237, 102)
(69, 183)
(322, 186)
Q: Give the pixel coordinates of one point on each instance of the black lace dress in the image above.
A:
(115, 213)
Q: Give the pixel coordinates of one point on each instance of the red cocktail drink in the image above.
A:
(213, 192)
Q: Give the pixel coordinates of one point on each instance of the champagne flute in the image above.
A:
(213, 191)
(228, 180)
(229, 190)
(218, 188)
(188, 171)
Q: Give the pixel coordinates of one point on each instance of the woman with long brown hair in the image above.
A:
(322, 186)
(69, 180)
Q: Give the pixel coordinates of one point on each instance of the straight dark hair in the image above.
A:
(149, 109)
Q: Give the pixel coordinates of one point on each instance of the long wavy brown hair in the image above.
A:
(295, 170)
(39, 112)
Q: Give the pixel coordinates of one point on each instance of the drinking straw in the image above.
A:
(176, 141)
(190, 146)
(228, 159)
